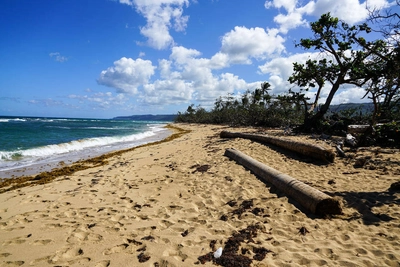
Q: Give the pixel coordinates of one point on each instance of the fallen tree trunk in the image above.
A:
(312, 199)
(309, 150)
(354, 129)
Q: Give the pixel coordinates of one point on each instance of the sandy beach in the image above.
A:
(173, 203)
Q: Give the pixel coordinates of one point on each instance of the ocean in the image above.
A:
(29, 144)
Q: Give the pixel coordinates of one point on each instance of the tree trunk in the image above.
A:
(306, 149)
(312, 199)
(311, 122)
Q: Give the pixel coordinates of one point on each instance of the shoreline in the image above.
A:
(67, 159)
(174, 202)
(42, 175)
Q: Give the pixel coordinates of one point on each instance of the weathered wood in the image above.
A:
(312, 199)
(353, 129)
(306, 149)
(340, 152)
(379, 150)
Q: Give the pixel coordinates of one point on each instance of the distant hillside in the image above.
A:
(365, 108)
(148, 117)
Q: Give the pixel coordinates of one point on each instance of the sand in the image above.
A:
(170, 203)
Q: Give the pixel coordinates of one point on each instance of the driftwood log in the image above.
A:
(312, 199)
(306, 149)
(355, 129)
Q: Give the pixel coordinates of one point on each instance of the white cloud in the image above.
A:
(290, 21)
(58, 57)
(219, 61)
(280, 69)
(101, 100)
(289, 5)
(183, 78)
(349, 94)
(48, 102)
(243, 44)
(161, 16)
(127, 75)
(167, 92)
(351, 11)
(182, 55)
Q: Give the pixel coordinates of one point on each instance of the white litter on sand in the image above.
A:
(218, 253)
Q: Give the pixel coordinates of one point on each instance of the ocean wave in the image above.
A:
(11, 119)
(73, 146)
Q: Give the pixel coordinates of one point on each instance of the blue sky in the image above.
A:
(105, 58)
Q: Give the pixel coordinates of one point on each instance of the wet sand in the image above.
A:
(173, 203)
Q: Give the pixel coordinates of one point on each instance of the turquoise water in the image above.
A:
(25, 141)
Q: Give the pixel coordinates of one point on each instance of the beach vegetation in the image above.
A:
(348, 56)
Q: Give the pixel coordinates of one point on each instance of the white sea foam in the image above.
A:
(78, 149)
(77, 145)
(11, 119)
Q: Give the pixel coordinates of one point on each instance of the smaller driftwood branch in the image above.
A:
(340, 152)
(312, 199)
(306, 149)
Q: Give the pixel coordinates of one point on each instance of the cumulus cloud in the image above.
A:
(289, 5)
(280, 69)
(349, 94)
(242, 44)
(167, 92)
(184, 77)
(161, 16)
(290, 21)
(351, 11)
(187, 77)
(127, 75)
(58, 57)
(182, 55)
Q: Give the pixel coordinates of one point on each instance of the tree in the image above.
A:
(261, 96)
(388, 23)
(384, 90)
(308, 76)
(344, 61)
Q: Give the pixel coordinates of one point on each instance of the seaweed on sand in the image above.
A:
(231, 255)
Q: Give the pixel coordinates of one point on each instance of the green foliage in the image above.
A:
(255, 108)
(383, 135)
(384, 89)
(388, 134)
(349, 61)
